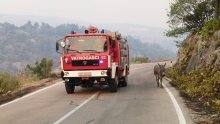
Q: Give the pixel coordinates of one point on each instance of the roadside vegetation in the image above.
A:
(41, 69)
(11, 82)
(209, 28)
(197, 71)
(203, 84)
(138, 60)
(8, 82)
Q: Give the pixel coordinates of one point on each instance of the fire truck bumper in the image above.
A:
(86, 73)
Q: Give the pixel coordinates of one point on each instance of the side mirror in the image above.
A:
(58, 46)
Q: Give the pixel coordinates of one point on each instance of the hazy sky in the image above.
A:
(142, 12)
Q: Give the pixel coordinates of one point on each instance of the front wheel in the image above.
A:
(114, 84)
(70, 88)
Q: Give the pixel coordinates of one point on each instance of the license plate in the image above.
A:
(85, 74)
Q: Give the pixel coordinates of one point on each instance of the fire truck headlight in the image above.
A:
(103, 72)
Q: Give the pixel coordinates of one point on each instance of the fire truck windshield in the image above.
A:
(86, 44)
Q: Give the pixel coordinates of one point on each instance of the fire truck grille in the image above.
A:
(85, 63)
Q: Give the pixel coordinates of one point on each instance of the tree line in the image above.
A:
(186, 17)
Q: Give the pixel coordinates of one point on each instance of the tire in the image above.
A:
(124, 81)
(70, 88)
(62, 75)
(114, 84)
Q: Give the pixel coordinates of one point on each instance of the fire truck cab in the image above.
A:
(94, 58)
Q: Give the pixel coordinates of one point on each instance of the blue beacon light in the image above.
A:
(102, 31)
(101, 61)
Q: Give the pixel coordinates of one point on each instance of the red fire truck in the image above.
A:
(94, 58)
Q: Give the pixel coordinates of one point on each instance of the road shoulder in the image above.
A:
(194, 110)
(4, 98)
(180, 100)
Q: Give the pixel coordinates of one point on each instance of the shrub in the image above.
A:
(41, 69)
(25, 77)
(8, 82)
(140, 60)
(210, 27)
(203, 84)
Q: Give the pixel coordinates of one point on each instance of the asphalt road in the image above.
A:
(141, 102)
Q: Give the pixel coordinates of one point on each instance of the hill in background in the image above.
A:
(146, 34)
(22, 45)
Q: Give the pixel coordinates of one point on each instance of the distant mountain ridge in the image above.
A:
(32, 41)
(20, 20)
(149, 34)
(146, 34)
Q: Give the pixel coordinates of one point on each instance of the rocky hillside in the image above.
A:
(197, 72)
(199, 52)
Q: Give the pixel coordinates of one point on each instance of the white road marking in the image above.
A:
(75, 109)
(175, 103)
(28, 95)
(179, 112)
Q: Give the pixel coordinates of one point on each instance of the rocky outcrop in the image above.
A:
(197, 74)
(198, 52)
